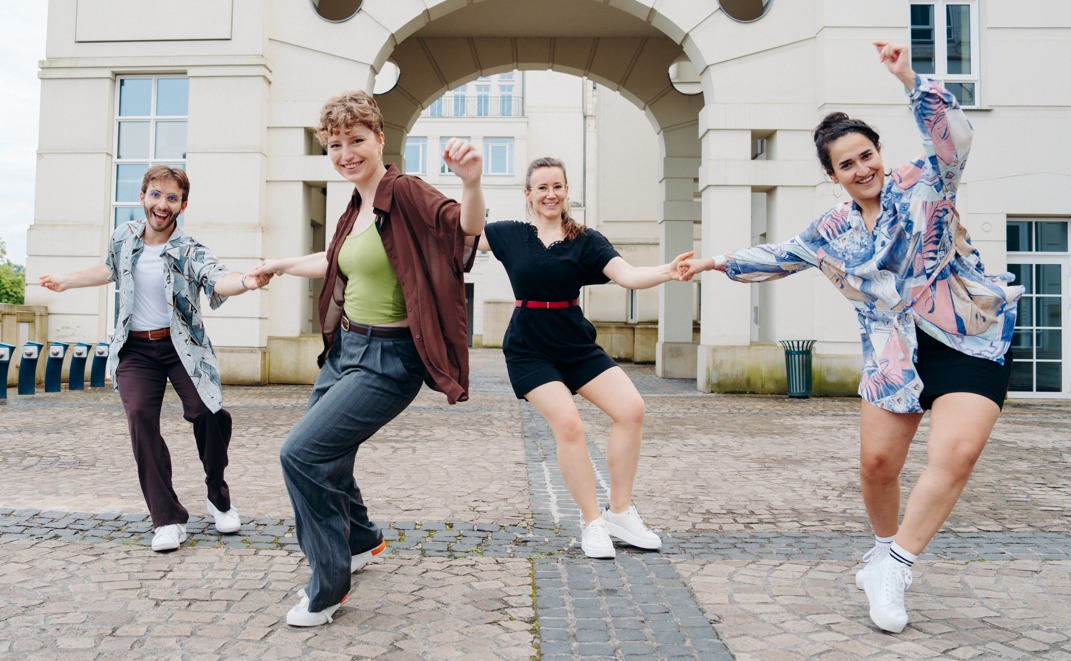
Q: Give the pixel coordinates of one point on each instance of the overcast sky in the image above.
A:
(22, 45)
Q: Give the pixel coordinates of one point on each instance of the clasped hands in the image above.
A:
(685, 267)
(260, 275)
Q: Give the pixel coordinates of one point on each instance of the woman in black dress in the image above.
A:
(551, 352)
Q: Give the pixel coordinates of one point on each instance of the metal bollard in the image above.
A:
(54, 367)
(100, 366)
(5, 359)
(76, 378)
(28, 367)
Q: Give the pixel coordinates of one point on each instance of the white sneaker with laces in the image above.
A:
(871, 558)
(629, 528)
(168, 538)
(596, 542)
(885, 587)
(226, 522)
(299, 616)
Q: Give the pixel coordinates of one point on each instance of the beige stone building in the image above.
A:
(685, 123)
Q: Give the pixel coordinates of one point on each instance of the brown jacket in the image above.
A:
(421, 232)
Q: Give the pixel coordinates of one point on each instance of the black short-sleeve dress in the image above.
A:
(542, 345)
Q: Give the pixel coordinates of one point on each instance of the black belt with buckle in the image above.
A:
(391, 332)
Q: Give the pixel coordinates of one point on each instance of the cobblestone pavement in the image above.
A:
(757, 500)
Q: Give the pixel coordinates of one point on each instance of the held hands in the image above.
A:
(674, 266)
(897, 60)
(261, 274)
(688, 268)
(464, 160)
(268, 267)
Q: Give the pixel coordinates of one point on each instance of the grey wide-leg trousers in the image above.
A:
(364, 384)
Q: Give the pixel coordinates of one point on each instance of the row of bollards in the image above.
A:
(57, 351)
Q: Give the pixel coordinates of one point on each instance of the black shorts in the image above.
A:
(944, 370)
(527, 372)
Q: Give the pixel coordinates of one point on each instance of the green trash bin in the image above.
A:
(798, 362)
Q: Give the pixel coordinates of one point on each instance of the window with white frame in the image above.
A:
(436, 108)
(416, 155)
(505, 94)
(498, 156)
(1039, 255)
(944, 45)
(460, 102)
(483, 97)
(150, 128)
(443, 167)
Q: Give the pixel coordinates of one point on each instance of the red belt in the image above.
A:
(157, 334)
(548, 304)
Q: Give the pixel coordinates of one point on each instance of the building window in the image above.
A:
(505, 94)
(944, 45)
(460, 109)
(443, 167)
(1039, 256)
(150, 128)
(498, 156)
(416, 155)
(436, 108)
(483, 98)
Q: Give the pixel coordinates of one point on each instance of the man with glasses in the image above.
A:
(160, 273)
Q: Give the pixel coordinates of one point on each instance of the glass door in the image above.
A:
(1039, 257)
(1040, 341)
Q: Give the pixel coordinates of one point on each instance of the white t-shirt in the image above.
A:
(151, 310)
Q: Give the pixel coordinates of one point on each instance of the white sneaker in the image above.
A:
(168, 538)
(630, 529)
(357, 562)
(299, 616)
(226, 522)
(871, 558)
(596, 542)
(885, 587)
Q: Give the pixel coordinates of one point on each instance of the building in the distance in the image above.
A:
(684, 123)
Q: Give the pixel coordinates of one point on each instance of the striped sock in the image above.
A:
(884, 540)
(902, 555)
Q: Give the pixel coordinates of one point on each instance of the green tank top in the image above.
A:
(373, 295)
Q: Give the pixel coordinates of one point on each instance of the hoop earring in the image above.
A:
(528, 211)
(835, 193)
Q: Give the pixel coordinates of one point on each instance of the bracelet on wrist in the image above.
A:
(245, 286)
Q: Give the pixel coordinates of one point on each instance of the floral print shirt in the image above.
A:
(191, 269)
(916, 269)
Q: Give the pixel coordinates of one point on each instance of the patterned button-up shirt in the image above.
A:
(190, 269)
(917, 268)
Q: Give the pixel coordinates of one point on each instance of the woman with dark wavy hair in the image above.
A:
(936, 329)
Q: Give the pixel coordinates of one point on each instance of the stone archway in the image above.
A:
(623, 52)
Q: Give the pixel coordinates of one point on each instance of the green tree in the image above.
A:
(12, 279)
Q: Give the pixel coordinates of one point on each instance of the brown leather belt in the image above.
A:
(375, 331)
(157, 334)
(550, 305)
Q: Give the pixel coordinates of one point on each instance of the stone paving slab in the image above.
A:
(756, 498)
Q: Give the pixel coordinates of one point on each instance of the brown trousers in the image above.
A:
(145, 366)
